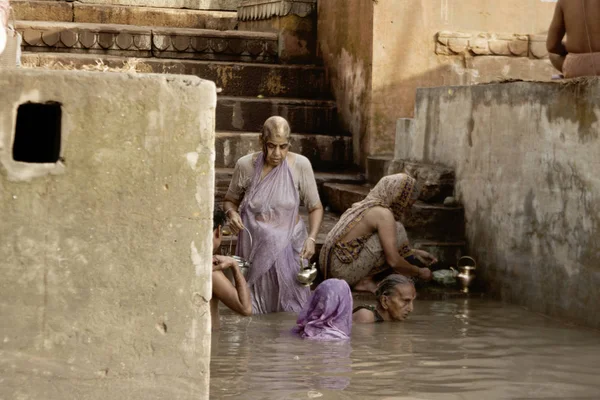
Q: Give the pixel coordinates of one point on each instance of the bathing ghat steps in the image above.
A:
(244, 65)
(253, 86)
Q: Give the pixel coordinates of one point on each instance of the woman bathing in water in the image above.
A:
(369, 240)
(262, 203)
(395, 296)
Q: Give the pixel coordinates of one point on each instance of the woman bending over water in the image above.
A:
(328, 313)
(395, 295)
(369, 239)
(264, 197)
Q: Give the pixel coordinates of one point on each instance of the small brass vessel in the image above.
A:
(307, 273)
(465, 274)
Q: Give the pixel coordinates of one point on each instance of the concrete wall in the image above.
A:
(396, 41)
(345, 41)
(526, 160)
(105, 255)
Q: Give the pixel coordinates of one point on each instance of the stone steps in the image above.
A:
(234, 78)
(145, 42)
(424, 221)
(61, 11)
(324, 152)
(247, 114)
(437, 181)
(223, 178)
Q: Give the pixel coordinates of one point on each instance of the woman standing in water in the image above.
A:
(369, 239)
(264, 198)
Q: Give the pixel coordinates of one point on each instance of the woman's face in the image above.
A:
(276, 149)
(399, 304)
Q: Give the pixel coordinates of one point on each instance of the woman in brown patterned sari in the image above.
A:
(369, 239)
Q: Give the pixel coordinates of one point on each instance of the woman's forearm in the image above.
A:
(315, 218)
(229, 205)
(403, 267)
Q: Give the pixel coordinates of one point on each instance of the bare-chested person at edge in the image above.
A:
(369, 241)
(580, 54)
(237, 297)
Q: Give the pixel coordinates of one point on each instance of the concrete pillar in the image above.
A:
(106, 198)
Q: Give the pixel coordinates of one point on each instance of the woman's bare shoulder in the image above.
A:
(363, 316)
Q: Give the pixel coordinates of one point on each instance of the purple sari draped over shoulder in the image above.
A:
(269, 211)
(328, 313)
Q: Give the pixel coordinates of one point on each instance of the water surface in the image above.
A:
(456, 349)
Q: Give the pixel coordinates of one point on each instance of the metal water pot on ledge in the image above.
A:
(465, 274)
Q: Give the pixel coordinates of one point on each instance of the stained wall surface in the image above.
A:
(526, 161)
(345, 41)
(105, 254)
(227, 5)
(397, 43)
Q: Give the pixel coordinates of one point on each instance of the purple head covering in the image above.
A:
(328, 313)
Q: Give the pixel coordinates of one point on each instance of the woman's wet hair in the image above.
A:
(275, 126)
(387, 286)
(219, 218)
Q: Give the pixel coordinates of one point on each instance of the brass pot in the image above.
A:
(465, 273)
(307, 273)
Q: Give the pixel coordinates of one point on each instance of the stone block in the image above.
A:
(150, 16)
(324, 152)
(105, 250)
(436, 181)
(42, 10)
(225, 5)
(377, 167)
(405, 131)
(248, 114)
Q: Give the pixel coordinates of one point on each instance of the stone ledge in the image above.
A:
(127, 40)
(234, 78)
(44, 10)
(491, 44)
(253, 10)
(247, 114)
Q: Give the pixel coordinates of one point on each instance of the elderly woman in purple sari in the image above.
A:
(262, 204)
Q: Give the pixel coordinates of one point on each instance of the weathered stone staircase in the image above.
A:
(254, 85)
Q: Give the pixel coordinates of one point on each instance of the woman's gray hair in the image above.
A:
(386, 286)
(277, 126)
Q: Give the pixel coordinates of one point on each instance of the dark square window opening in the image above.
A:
(37, 134)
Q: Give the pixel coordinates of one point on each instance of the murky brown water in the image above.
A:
(459, 349)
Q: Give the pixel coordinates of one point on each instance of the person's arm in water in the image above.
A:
(554, 41)
(385, 225)
(236, 298)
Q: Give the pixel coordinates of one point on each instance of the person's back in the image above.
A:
(578, 14)
(580, 54)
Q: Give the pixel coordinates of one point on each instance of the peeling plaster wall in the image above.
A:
(404, 55)
(345, 42)
(105, 255)
(526, 160)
